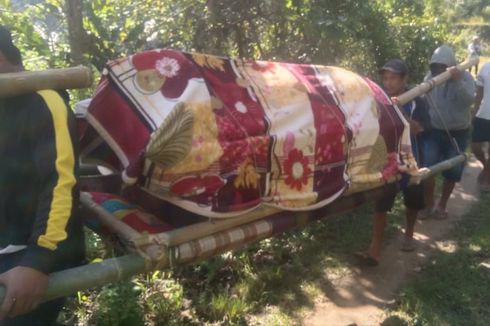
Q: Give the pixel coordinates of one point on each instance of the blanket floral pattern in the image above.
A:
(220, 136)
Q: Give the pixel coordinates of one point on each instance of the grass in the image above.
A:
(275, 281)
(453, 290)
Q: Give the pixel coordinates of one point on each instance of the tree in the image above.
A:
(73, 10)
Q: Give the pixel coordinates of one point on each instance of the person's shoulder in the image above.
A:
(23, 101)
(45, 104)
(53, 97)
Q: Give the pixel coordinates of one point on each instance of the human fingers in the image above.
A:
(7, 305)
(22, 306)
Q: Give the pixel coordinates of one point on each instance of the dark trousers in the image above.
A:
(45, 314)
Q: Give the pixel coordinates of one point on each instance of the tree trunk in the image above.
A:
(76, 33)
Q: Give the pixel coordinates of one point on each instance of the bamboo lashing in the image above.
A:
(430, 84)
(12, 84)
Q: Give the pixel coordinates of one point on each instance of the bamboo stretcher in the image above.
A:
(169, 249)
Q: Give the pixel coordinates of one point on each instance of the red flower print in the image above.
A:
(297, 170)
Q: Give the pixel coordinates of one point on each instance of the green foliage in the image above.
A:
(162, 299)
(118, 305)
(117, 28)
(416, 32)
(469, 8)
(360, 35)
(28, 29)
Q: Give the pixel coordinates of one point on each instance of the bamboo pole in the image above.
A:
(425, 173)
(444, 165)
(12, 84)
(69, 281)
(193, 231)
(198, 230)
(108, 219)
(66, 282)
(430, 84)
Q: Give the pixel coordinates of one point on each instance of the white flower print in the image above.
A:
(167, 67)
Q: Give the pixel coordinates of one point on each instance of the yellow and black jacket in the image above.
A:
(38, 184)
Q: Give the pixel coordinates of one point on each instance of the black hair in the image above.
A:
(7, 47)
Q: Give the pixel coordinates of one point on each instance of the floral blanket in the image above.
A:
(220, 136)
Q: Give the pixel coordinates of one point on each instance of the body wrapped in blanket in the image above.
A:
(220, 137)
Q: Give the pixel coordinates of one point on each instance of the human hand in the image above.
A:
(455, 73)
(25, 288)
(395, 101)
(415, 127)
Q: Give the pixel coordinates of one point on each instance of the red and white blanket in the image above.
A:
(220, 136)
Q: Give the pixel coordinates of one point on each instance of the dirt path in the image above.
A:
(359, 298)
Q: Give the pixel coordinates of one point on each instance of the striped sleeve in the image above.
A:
(55, 163)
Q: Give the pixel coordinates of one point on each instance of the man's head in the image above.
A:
(10, 58)
(395, 77)
(442, 59)
(476, 39)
